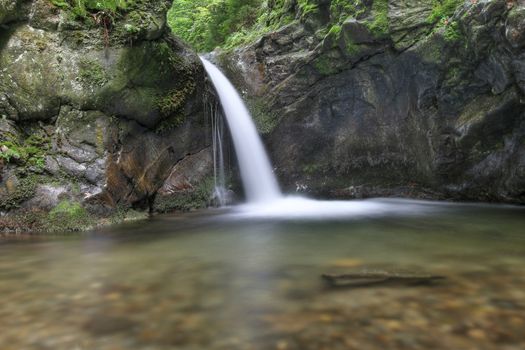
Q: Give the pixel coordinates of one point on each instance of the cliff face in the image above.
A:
(394, 102)
(95, 115)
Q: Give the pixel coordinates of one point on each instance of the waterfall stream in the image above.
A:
(264, 197)
(260, 184)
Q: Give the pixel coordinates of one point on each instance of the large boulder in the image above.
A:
(95, 110)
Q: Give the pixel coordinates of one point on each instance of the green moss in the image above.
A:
(25, 189)
(342, 9)
(379, 26)
(122, 214)
(69, 216)
(246, 36)
(307, 7)
(324, 65)
(171, 123)
(166, 55)
(82, 8)
(335, 30)
(29, 152)
(171, 104)
(443, 9)
(311, 169)
(188, 200)
(92, 73)
(265, 120)
(452, 32)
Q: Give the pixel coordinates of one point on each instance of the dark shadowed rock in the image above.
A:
(436, 108)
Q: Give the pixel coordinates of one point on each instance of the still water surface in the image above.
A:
(225, 279)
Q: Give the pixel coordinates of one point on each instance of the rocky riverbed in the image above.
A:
(205, 283)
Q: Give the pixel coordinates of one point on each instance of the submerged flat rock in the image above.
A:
(365, 279)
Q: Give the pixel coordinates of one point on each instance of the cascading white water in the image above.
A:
(265, 200)
(220, 194)
(260, 184)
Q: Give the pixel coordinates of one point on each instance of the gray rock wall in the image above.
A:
(432, 110)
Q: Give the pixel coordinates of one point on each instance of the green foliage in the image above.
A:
(207, 24)
(30, 152)
(452, 32)
(443, 9)
(81, 8)
(69, 216)
(25, 189)
(379, 25)
(324, 65)
(171, 106)
(335, 30)
(9, 152)
(264, 119)
(342, 9)
(307, 7)
(351, 47)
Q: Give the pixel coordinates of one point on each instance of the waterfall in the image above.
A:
(220, 194)
(265, 200)
(259, 182)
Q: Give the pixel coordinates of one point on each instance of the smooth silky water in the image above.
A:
(222, 279)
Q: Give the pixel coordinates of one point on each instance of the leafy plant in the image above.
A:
(81, 8)
(380, 24)
(443, 9)
(30, 152)
(207, 24)
(452, 32)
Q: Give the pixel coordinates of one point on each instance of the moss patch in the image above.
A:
(188, 200)
(443, 9)
(379, 26)
(342, 9)
(91, 73)
(29, 152)
(175, 99)
(264, 119)
(25, 189)
(452, 32)
(82, 8)
(324, 65)
(69, 216)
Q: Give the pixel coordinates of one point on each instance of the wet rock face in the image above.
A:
(104, 117)
(12, 10)
(427, 109)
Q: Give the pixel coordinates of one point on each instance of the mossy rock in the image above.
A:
(196, 198)
(16, 190)
(69, 216)
(11, 10)
(146, 82)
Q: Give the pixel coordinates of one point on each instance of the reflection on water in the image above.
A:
(220, 280)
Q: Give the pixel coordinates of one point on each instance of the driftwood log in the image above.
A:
(378, 279)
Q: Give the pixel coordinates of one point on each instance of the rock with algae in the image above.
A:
(114, 97)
